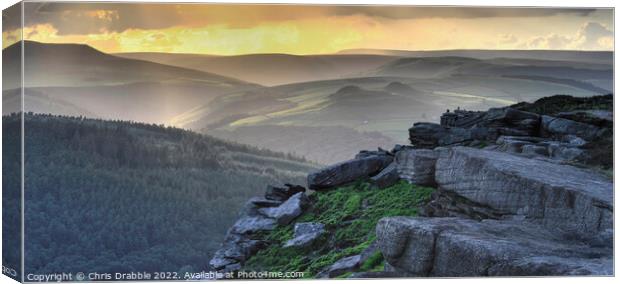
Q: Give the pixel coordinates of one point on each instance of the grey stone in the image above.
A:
(367, 153)
(555, 126)
(454, 135)
(342, 266)
(417, 166)
(398, 148)
(574, 200)
(573, 140)
(263, 202)
(426, 135)
(535, 150)
(600, 118)
(448, 204)
(235, 248)
(305, 234)
(283, 193)
(387, 177)
(455, 247)
(252, 224)
(348, 171)
(218, 262)
(511, 121)
(289, 210)
(375, 274)
(563, 152)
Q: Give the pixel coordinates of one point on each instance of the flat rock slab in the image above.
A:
(251, 224)
(342, 266)
(577, 201)
(288, 211)
(348, 171)
(455, 247)
(305, 234)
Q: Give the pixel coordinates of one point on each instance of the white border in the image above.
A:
(505, 3)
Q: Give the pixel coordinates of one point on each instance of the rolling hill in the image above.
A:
(433, 67)
(74, 79)
(272, 69)
(68, 65)
(602, 57)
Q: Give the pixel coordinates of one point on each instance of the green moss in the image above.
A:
(350, 214)
(374, 262)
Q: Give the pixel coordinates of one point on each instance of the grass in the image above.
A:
(562, 103)
(350, 214)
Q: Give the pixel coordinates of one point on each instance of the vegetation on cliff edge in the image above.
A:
(350, 214)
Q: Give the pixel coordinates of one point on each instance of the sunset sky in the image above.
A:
(226, 29)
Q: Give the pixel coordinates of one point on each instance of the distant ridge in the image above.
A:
(605, 57)
(80, 64)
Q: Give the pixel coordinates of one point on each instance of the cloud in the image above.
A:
(84, 18)
(507, 39)
(590, 36)
(594, 36)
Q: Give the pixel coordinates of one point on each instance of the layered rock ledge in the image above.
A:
(456, 247)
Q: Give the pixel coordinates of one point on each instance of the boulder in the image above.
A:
(574, 200)
(517, 122)
(305, 234)
(341, 266)
(417, 166)
(264, 202)
(367, 153)
(386, 178)
(563, 151)
(555, 126)
(348, 171)
(455, 247)
(251, 224)
(235, 249)
(426, 135)
(288, 211)
(283, 193)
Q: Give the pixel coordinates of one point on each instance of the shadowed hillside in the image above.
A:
(112, 196)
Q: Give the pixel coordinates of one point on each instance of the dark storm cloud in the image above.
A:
(84, 18)
(454, 12)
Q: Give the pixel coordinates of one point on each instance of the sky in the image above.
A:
(225, 29)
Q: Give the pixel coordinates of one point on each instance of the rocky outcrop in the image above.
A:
(455, 247)
(509, 200)
(362, 167)
(566, 149)
(562, 197)
(416, 166)
(258, 215)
